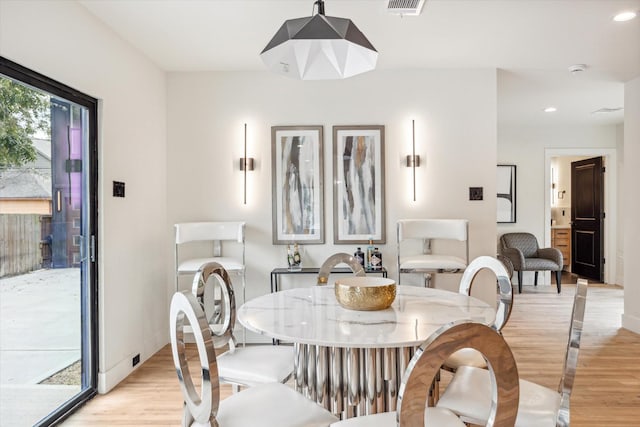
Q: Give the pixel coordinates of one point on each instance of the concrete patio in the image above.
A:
(39, 336)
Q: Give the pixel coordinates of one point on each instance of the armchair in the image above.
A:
(525, 255)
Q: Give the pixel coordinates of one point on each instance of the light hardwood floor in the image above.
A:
(606, 391)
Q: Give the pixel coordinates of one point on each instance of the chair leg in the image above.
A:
(558, 278)
(535, 280)
(520, 281)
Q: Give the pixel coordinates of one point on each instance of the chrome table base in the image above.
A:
(350, 382)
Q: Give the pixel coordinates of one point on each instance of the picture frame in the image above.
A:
(297, 184)
(358, 177)
(506, 192)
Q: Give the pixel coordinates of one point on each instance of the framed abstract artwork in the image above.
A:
(358, 177)
(297, 188)
(506, 188)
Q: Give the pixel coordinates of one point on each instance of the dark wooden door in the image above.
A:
(587, 215)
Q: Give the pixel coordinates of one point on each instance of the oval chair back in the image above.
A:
(505, 291)
(219, 307)
(200, 409)
(426, 362)
(335, 259)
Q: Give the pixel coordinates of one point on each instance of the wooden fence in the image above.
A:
(20, 249)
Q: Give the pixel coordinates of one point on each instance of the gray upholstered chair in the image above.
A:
(525, 255)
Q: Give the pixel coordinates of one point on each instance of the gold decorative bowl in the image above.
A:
(365, 293)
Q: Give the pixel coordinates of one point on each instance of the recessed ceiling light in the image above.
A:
(624, 16)
(550, 110)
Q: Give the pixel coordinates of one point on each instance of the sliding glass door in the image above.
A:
(48, 236)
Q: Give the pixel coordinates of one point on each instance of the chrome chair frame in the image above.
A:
(271, 405)
(455, 397)
(428, 230)
(505, 289)
(425, 366)
(223, 311)
(503, 310)
(334, 260)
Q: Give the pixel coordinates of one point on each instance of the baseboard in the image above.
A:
(108, 380)
(111, 378)
(631, 323)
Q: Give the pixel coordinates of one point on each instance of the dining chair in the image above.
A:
(424, 366)
(265, 405)
(428, 261)
(334, 260)
(190, 254)
(245, 366)
(468, 392)
(468, 356)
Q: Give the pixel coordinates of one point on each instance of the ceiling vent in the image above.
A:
(405, 7)
(606, 110)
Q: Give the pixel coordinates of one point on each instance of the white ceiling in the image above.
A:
(532, 42)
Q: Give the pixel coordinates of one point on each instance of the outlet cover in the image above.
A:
(475, 193)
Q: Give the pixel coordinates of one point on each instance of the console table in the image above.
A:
(277, 272)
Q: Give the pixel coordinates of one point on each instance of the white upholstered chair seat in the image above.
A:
(432, 262)
(469, 396)
(466, 357)
(271, 405)
(192, 265)
(437, 417)
(253, 365)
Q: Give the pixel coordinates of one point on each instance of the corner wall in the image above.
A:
(631, 204)
(63, 41)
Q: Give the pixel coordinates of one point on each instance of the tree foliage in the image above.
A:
(23, 111)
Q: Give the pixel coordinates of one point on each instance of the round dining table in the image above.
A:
(350, 361)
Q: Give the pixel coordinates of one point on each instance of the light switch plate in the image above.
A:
(475, 193)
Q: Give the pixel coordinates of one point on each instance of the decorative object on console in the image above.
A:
(319, 47)
(358, 176)
(365, 293)
(297, 174)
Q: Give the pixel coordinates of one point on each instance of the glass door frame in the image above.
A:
(89, 293)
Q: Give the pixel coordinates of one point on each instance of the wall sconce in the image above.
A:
(413, 160)
(246, 164)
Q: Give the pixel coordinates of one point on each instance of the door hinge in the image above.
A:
(604, 215)
(604, 169)
(604, 260)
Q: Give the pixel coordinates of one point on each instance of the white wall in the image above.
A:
(621, 211)
(631, 316)
(455, 113)
(61, 40)
(525, 146)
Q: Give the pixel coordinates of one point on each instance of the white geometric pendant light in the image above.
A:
(319, 47)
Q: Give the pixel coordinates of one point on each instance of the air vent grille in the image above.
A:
(606, 110)
(405, 7)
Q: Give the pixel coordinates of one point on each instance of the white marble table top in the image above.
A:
(313, 316)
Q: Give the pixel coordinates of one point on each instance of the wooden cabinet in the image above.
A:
(561, 239)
